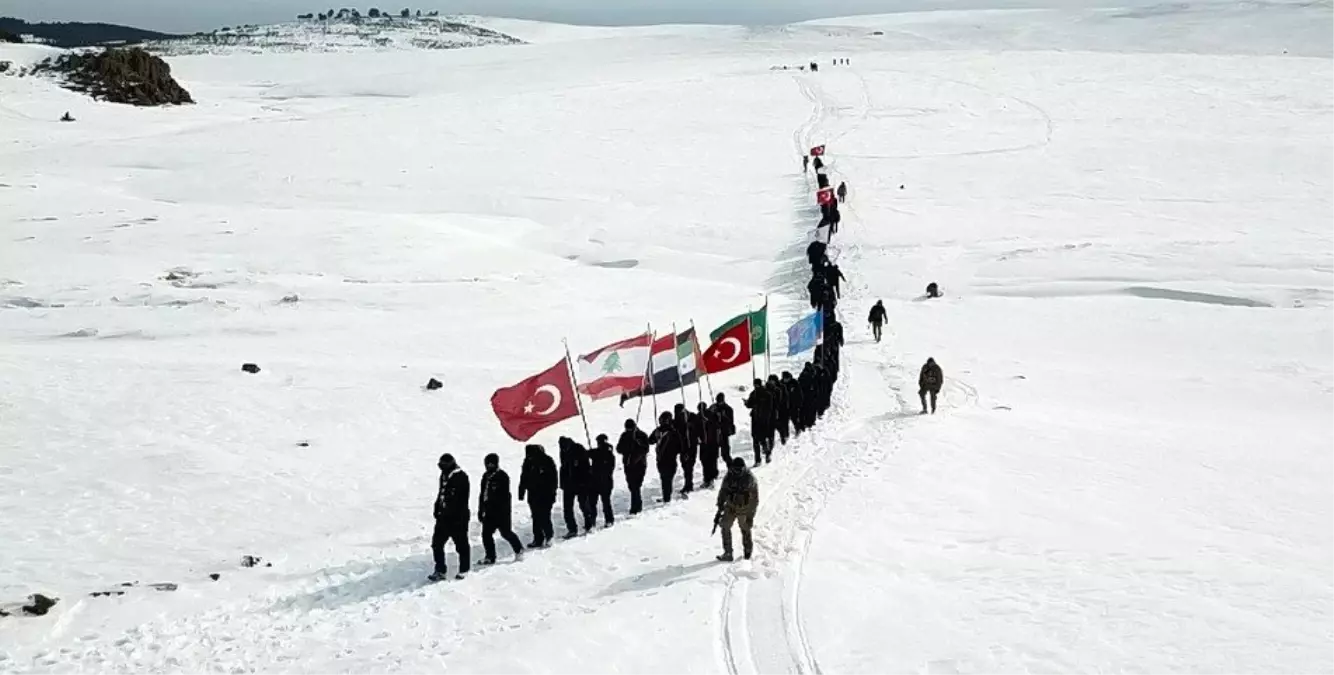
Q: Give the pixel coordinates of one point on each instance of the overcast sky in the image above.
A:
(196, 15)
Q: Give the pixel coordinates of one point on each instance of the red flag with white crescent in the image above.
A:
(817, 151)
(536, 403)
(730, 350)
(825, 196)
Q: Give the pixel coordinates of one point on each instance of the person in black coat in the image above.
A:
(670, 441)
(539, 480)
(633, 448)
(761, 422)
(810, 395)
(842, 191)
(833, 277)
(794, 403)
(495, 510)
(451, 518)
(782, 415)
(576, 477)
(726, 428)
(816, 288)
(603, 459)
(686, 424)
(929, 381)
(815, 252)
(710, 433)
(877, 318)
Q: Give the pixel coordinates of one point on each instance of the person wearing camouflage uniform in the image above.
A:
(738, 499)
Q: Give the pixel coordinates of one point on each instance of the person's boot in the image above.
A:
(725, 557)
(487, 561)
(438, 575)
(571, 534)
(748, 552)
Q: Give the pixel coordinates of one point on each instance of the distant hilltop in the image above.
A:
(334, 30)
(76, 34)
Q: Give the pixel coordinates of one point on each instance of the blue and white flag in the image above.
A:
(805, 333)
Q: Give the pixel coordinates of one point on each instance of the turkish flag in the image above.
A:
(825, 196)
(817, 151)
(536, 403)
(730, 350)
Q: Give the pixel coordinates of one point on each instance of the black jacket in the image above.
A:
(538, 479)
(633, 448)
(671, 443)
(603, 460)
(931, 377)
(495, 505)
(726, 422)
(877, 314)
(833, 333)
(761, 406)
(576, 471)
(778, 396)
(451, 502)
(793, 390)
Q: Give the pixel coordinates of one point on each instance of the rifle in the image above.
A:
(717, 518)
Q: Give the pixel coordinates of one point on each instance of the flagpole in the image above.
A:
(648, 372)
(700, 366)
(569, 365)
(677, 354)
(768, 339)
(750, 337)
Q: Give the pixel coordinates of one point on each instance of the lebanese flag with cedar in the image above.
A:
(730, 350)
(536, 403)
(825, 196)
(817, 151)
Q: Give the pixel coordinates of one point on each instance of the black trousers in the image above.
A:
(688, 470)
(569, 502)
(762, 440)
(543, 530)
(602, 496)
(708, 458)
(922, 394)
(875, 330)
(445, 530)
(489, 541)
(667, 474)
(725, 450)
(783, 430)
(634, 481)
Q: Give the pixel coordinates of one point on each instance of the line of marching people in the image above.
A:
(780, 408)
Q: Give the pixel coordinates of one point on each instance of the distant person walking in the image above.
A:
(929, 381)
(842, 191)
(539, 480)
(877, 318)
(451, 518)
(495, 510)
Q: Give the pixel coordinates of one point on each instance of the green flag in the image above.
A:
(759, 337)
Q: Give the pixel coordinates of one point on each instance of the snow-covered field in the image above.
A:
(1132, 466)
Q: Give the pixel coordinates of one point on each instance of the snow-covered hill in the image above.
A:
(1130, 471)
(313, 35)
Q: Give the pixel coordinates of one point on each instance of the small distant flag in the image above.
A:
(817, 151)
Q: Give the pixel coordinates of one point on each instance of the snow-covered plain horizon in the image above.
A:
(1129, 212)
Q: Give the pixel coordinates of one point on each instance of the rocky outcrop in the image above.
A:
(119, 75)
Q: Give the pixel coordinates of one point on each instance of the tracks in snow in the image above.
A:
(759, 616)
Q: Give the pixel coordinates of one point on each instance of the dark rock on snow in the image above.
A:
(119, 75)
(250, 368)
(250, 561)
(433, 384)
(215, 576)
(39, 605)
